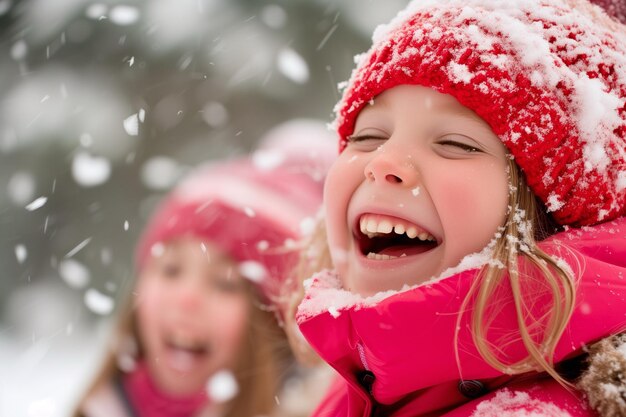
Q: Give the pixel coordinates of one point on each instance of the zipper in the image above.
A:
(365, 377)
(361, 349)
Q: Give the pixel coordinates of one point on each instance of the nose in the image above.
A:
(189, 296)
(392, 166)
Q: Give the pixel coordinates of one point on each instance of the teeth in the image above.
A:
(373, 226)
(185, 343)
(380, 257)
(385, 226)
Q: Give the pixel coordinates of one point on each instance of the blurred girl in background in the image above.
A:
(198, 336)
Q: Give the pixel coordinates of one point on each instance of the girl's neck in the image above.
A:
(147, 400)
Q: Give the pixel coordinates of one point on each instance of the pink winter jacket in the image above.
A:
(395, 353)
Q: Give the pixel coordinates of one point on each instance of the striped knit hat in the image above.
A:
(548, 76)
(253, 208)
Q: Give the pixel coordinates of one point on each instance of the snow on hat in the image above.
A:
(548, 76)
(253, 208)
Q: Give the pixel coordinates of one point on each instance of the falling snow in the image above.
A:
(74, 273)
(157, 250)
(215, 114)
(307, 226)
(21, 253)
(131, 124)
(262, 245)
(293, 66)
(98, 302)
(96, 11)
(252, 270)
(124, 15)
(274, 16)
(19, 50)
(37, 203)
(222, 386)
(78, 248)
(90, 171)
(160, 172)
(106, 257)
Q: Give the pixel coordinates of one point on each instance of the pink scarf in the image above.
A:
(148, 401)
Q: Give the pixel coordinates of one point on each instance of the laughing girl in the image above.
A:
(475, 217)
(199, 336)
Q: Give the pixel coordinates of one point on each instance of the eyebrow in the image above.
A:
(450, 106)
(453, 107)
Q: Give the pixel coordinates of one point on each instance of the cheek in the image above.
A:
(341, 182)
(149, 302)
(474, 209)
(231, 322)
(148, 313)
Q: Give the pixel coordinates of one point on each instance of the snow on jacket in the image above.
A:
(395, 351)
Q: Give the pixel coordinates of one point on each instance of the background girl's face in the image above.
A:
(421, 184)
(192, 314)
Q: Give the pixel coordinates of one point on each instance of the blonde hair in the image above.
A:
(262, 362)
(314, 256)
(516, 249)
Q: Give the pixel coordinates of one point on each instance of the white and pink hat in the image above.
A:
(254, 208)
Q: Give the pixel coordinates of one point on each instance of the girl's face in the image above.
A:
(192, 312)
(421, 184)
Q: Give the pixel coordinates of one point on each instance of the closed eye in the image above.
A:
(461, 146)
(362, 138)
(171, 270)
(227, 284)
(366, 142)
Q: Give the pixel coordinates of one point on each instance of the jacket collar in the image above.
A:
(405, 338)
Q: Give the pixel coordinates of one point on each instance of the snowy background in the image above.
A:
(103, 106)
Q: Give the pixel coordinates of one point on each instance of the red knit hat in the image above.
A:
(548, 76)
(251, 207)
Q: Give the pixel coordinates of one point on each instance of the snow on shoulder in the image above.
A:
(508, 403)
(323, 292)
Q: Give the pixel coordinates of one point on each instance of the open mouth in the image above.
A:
(183, 354)
(382, 237)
